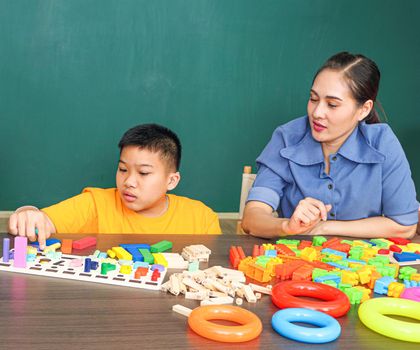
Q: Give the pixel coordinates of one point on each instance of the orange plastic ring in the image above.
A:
(249, 327)
(332, 300)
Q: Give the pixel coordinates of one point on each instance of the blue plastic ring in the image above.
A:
(329, 328)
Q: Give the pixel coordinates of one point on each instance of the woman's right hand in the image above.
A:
(307, 214)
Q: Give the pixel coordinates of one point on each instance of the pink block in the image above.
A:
(411, 293)
(19, 257)
(84, 243)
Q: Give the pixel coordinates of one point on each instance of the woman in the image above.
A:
(338, 170)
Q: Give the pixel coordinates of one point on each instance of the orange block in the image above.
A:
(66, 246)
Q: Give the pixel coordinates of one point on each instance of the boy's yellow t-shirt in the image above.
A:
(98, 210)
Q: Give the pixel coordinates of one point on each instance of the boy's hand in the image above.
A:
(307, 214)
(24, 222)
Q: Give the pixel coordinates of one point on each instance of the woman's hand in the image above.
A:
(306, 216)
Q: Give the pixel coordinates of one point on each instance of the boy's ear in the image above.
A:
(173, 180)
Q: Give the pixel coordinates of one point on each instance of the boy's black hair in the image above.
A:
(155, 138)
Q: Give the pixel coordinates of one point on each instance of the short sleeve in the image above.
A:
(267, 188)
(269, 183)
(74, 215)
(398, 191)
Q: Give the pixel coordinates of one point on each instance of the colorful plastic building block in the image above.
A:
(66, 246)
(160, 247)
(6, 249)
(85, 242)
(19, 259)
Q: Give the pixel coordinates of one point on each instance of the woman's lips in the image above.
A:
(129, 197)
(319, 127)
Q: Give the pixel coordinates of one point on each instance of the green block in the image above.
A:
(289, 242)
(406, 272)
(106, 267)
(379, 243)
(317, 241)
(316, 272)
(147, 256)
(355, 295)
(161, 247)
(344, 286)
(330, 283)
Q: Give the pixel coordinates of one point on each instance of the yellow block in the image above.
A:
(415, 277)
(111, 254)
(350, 277)
(364, 275)
(125, 269)
(395, 289)
(160, 259)
(121, 253)
(309, 254)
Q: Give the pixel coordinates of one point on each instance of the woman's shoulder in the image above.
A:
(380, 135)
(293, 131)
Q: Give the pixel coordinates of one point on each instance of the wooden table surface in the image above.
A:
(39, 312)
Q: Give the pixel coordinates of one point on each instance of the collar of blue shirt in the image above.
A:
(356, 148)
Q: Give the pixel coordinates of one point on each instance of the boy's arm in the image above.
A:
(74, 215)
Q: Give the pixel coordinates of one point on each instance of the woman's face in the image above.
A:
(332, 110)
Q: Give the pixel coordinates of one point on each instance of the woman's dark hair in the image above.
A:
(362, 76)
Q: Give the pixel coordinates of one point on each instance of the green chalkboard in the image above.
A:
(75, 74)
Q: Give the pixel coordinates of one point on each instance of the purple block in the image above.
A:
(6, 248)
(21, 244)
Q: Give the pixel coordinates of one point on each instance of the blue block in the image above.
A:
(381, 285)
(133, 249)
(339, 266)
(159, 267)
(88, 264)
(140, 264)
(333, 251)
(48, 242)
(402, 257)
(138, 246)
(355, 261)
(335, 278)
(102, 255)
(272, 253)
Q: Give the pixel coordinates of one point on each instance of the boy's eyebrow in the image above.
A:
(142, 164)
(329, 96)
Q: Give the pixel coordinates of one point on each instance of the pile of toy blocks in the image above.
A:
(356, 267)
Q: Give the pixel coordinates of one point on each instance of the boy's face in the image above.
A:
(143, 179)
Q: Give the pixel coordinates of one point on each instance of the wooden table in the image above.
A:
(48, 313)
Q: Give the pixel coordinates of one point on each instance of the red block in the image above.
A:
(234, 257)
(84, 243)
(399, 240)
(241, 253)
(303, 273)
(284, 250)
(284, 271)
(331, 242)
(383, 251)
(303, 244)
(394, 248)
(255, 251)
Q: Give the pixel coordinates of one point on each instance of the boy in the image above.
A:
(148, 167)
